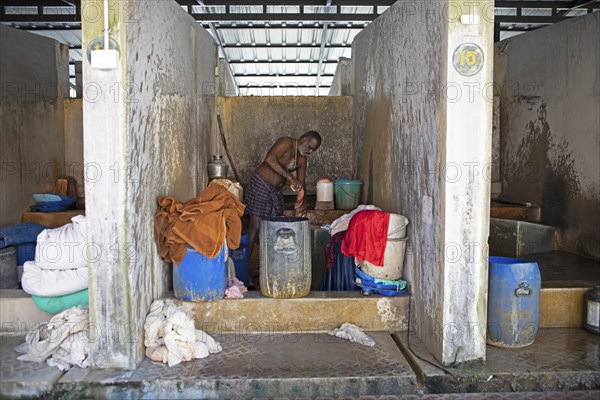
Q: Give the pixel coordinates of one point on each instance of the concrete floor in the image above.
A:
(562, 363)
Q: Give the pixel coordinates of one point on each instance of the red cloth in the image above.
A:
(366, 236)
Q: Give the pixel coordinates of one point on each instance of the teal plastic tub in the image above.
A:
(58, 304)
(347, 193)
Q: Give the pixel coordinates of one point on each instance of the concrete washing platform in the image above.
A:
(562, 363)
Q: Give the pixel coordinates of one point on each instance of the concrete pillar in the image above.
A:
(147, 125)
(422, 113)
(466, 192)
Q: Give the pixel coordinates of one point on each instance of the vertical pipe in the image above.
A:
(105, 25)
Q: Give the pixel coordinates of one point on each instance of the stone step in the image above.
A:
(317, 312)
(18, 313)
(518, 238)
(515, 212)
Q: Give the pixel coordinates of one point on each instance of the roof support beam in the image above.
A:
(283, 17)
(281, 62)
(268, 25)
(279, 75)
(584, 3)
(532, 4)
(280, 46)
(277, 86)
(528, 19)
(36, 18)
(322, 49)
(349, 3)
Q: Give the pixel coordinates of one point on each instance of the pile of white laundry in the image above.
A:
(341, 223)
(353, 333)
(61, 342)
(60, 267)
(171, 337)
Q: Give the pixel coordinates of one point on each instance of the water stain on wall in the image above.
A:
(543, 168)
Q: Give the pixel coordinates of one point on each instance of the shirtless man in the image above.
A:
(263, 194)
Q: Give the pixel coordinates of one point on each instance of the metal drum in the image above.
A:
(285, 257)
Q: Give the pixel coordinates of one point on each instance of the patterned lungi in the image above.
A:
(262, 199)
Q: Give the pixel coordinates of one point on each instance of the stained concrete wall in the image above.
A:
(149, 142)
(342, 79)
(34, 78)
(227, 85)
(73, 126)
(422, 136)
(549, 87)
(252, 124)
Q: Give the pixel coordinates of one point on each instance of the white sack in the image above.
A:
(64, 247)
(49, 283)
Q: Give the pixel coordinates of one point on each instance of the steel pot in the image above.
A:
(217, 168)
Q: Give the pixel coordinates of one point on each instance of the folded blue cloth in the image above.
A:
(21, 233)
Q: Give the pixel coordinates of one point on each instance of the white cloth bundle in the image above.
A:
(64, 247)
(171, 337)
(48, 283)
(61, 342)
(353, 333)
(341, 224)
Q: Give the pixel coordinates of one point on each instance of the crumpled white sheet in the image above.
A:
(353, 333)
(341, 224)
(62, 342)
(235, 289)
(171, 337)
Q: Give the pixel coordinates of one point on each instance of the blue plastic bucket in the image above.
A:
(347, 193)
(241, 259)
(513, 302)
(199, 278)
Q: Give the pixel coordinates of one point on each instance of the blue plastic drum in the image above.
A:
(241, 259)
(513, 302)
(200, 278)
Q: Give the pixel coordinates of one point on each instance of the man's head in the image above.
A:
(309, 142)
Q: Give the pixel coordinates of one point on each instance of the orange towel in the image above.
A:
(204, 223)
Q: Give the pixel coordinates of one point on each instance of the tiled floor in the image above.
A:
(559, 359)
(309, 364)
(559, 365)
(22, 378)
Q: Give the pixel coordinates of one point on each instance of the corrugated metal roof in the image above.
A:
(272, 44)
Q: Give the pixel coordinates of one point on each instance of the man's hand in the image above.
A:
(299, 206)
(295, 184)
(300, 210)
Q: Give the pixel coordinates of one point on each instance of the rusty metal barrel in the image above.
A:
(285, 257)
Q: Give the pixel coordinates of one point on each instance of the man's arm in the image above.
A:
(300, 207)
(302, 171)
(280, 147)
